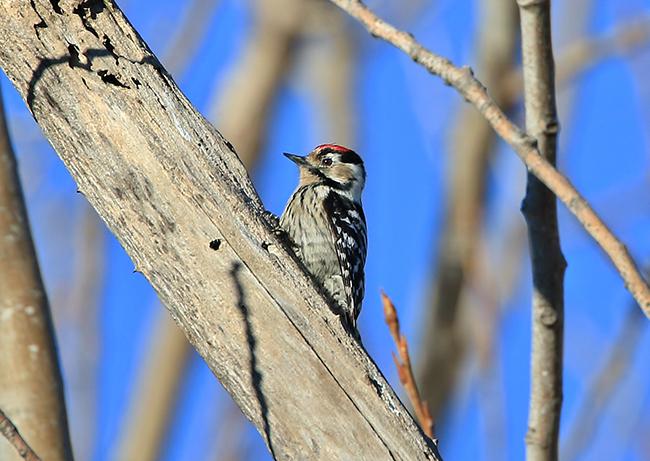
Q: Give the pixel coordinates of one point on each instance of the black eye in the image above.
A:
(326, 161)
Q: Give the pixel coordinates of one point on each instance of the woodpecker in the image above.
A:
(324, 220)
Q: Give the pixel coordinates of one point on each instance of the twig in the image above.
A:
(540, 211)
(404, 368)
(14, 438)
(463, 80)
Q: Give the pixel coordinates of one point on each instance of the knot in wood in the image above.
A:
(548, 316)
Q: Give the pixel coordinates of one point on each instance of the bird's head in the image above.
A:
(335, 166)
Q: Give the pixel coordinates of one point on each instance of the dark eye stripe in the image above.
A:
(347, 155)
(351, 157)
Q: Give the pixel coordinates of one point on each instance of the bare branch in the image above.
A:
(8, 429)
(540, 210)
(30, 378)
(404, 368)
(168, 185)
(463, 80)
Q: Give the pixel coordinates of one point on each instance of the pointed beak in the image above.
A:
(297, 159)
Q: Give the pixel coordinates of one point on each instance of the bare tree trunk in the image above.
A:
(548, 264)
(180, 202)
(31, 391)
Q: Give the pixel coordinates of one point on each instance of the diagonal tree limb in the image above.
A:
(540, 211)
(463, 80)
(245, 110)
(180, 202)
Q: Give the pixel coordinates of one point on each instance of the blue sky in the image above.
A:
(404, 118)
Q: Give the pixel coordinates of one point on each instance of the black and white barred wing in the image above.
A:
(348, 225)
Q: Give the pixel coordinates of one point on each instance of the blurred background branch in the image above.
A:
(445, 337)
(188, 36)
(253, 84)
(31, 390)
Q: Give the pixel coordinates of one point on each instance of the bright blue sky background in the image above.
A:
(404, 120)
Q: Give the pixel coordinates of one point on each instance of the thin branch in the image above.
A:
(328, 42)
(12, 435)
(540, 211)
(229, 443)
(463, 80)
(78, 313)
(404, 369)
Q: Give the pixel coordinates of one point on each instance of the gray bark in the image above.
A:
(167, 184)
(540, 211)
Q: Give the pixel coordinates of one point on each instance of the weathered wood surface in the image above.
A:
(167, 184)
